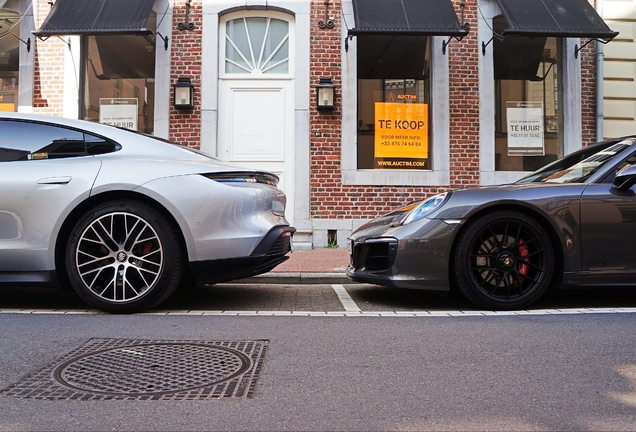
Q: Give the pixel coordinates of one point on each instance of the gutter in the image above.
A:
(600, 94)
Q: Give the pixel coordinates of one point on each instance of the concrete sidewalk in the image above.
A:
(315, 266)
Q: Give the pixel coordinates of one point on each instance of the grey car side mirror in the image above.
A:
(625, 178)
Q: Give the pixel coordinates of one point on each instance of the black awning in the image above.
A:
(559, 18)
(393, 57)
(97, 17)
(516, 58)
(406, 17)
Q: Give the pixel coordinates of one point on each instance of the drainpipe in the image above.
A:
(599, 80)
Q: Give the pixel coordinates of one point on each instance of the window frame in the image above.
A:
(439, 111)
(571, 90)
(256, 13)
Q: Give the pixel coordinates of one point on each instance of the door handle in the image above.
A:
(55, 180)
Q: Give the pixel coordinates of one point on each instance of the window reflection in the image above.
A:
(119, 80)
(9, 60)
(394, 70)
(528, 124)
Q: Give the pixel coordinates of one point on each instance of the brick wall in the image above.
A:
(588, 93)
(185, 125)
(588, 90)
(48, 82)
(463, 68)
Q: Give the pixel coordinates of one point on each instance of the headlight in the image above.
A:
(425, 208)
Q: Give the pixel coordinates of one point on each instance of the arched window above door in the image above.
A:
(257, 46)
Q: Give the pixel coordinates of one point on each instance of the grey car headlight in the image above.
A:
(425, 208)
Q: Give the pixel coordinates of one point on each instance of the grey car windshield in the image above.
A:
(579, 166)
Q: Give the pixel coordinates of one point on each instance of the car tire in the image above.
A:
(124, 256)
(503, 261)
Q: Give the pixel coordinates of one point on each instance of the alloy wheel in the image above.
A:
(119, 257)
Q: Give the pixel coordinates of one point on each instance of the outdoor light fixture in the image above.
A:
(325, 95)
(184, 94)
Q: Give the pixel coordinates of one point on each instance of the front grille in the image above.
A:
(378, 257)
(374, 256)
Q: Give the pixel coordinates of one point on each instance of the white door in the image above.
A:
(256, 97)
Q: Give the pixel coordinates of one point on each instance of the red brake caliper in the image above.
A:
(147, 248)
(522, 252)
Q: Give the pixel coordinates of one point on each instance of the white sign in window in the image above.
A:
(525, 128)
(120, 112)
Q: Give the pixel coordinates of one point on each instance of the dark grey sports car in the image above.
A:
(573, 222)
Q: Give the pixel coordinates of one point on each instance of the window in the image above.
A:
(528, 97)
(35, 141)
(257, 45)
(394, 95)
(119, 84)
(9, 60)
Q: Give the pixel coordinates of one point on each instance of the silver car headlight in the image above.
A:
(425, 208)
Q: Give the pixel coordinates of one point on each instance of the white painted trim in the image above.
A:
(339, 314)
(487, 10)
(572, 117)
(72, 63)
(162, 68)
(209, 81)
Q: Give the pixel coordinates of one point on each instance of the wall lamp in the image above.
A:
(184, 94)
(325, 95)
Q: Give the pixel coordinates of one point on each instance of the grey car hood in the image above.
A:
(463, 203)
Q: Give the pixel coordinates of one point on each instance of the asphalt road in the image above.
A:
(295, 298)
(569, 368)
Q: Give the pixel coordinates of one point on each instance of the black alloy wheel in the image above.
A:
(503, 261)
(124, 256)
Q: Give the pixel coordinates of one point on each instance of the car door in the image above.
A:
(44, 172)
(608, 232)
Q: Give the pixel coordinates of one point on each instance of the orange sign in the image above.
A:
(401, 135)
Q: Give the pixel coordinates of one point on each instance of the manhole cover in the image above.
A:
(138, 369)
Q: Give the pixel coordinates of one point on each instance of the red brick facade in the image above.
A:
(185, 126)
(48, 82)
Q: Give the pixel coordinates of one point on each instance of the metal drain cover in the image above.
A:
(143, 369)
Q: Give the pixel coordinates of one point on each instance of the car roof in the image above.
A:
(94, 127)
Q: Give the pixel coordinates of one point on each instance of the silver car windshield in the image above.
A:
(579, 166)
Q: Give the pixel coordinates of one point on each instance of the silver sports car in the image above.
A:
(123, 217)
(572, 223)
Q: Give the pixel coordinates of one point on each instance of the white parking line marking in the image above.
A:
(345, 299)
(348, 313)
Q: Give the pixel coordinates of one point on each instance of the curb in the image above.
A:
(289, 278)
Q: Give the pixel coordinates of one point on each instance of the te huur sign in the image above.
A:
(120, 112)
